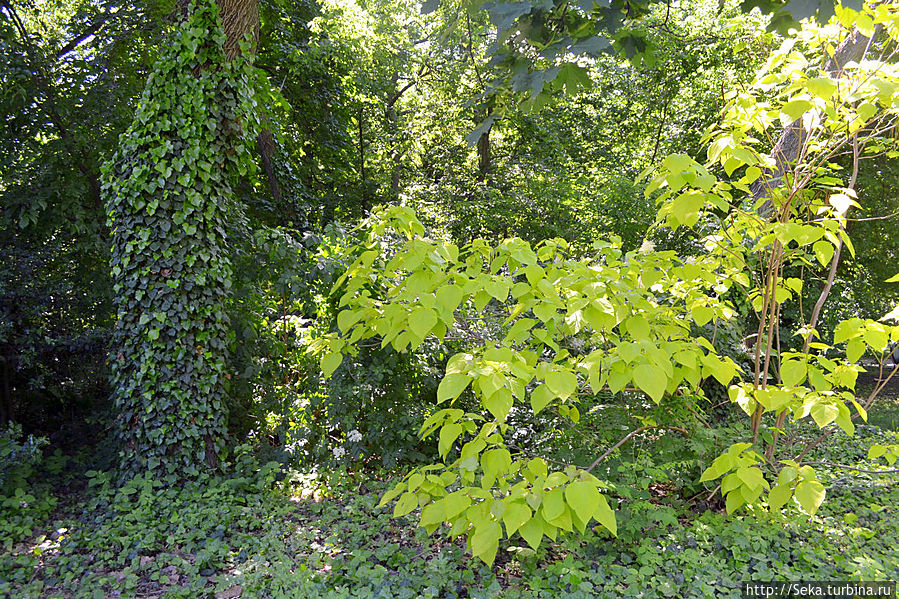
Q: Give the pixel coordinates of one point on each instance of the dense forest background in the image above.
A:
(366, 105)
(189, 191)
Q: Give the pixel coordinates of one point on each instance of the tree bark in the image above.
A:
(483, 155)
(266, 144)
(240, 20)
(791, 140)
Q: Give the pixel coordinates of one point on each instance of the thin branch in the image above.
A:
(630, 435)
(92, 29)
(895, 471)
(41, 81)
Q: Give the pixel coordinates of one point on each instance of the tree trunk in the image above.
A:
(789, 144)
(483, 154)
(363, 182)
(170, 198)
(240, 20)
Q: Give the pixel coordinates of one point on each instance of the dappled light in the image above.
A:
(538, 299)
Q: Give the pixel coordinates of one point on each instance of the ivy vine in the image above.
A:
(169, 195)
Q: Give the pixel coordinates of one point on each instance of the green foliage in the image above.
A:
(323, 536)
(551, 303)
(572, 385)
(67, 96)
(542, 46)
(631, 315)
(53, 331)
(169, 193)
(23, 506)
(17, 455)
(367, 411)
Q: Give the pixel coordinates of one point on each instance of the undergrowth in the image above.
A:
(264, 532)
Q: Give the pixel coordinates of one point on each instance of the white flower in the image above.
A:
(354, 436)
(338, 452)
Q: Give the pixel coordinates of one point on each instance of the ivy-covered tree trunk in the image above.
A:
(169, 194)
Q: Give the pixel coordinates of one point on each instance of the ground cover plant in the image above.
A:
(371, 299)
(265, 532)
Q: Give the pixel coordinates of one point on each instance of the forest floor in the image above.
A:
(270, 533)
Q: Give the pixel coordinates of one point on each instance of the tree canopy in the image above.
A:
(485, 250)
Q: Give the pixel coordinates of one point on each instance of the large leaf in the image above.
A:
(562, 383)
(793, 372)
(810, 494)
(532, 532)
(779, 496)
(605, 516)
(452, 386)
(553, 504)
(516, 514)
(422, 321)
(448, 435)
(540, 397)
(651, 380)
(449, 297)
(330, 363)
(485, 540)
(504, 14)
(582, 496)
